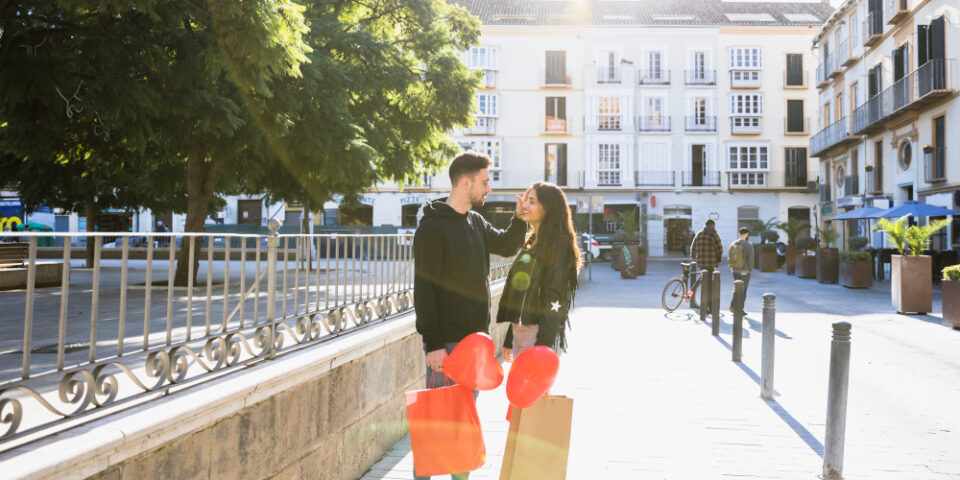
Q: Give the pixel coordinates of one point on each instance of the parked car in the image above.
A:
(590, 244)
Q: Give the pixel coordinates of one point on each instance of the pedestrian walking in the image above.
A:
(543, 278)
(687, 240)
(452, 248)
(707, 250)
(740, 259)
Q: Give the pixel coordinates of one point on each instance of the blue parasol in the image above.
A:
(860, 214)
(914, 208)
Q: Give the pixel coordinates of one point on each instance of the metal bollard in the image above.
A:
(715, 303)
(837, 401)
(737, 320)
(769, 334)
(705, 288)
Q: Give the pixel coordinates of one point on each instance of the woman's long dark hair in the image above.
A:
(557, 235)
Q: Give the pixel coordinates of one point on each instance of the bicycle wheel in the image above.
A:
(695, 297)
(672, 294)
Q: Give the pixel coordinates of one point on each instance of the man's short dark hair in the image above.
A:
(468, 163)
(744, 230)
(710, 223)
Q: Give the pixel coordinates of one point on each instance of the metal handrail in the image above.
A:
(272, 295)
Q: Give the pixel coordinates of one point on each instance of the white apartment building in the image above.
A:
(887, 81)
(683, 110)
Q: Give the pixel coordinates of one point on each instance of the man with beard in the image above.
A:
(452, 250)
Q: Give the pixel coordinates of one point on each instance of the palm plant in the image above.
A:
(767, 231)
(794, 228)
(896, 232)
(918, 238)
(629, 225)
(828, 235)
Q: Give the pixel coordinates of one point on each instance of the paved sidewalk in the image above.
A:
(657, 397)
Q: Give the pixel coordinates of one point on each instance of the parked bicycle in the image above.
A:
(676, 292)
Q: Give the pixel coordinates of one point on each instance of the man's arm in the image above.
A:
(505, 243)
(428, 265)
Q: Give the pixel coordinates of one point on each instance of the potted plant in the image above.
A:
(633, 256)
(767, 233)
(793, 228)
(807, 263)
(911, 279)
(828, 257)
(856, 267)
(950, 291)
(768, 257)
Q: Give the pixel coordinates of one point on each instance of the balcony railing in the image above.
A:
(555, 126)
(608, 75)
(935, 164)
(482, 126)
(895, 11)
(656, 123)
(700, 123)
(555, 79)
(799, 126)
(746, 125)
(831, 136)
(609, 123)
(792, 81)
(872, 29)
(700, 77)
(744, 79)
(707, 178)
(654, 178)
(934, 79)
(653, 77)
(843, 52)
(520, 179)
(767, 180)
(826, 70)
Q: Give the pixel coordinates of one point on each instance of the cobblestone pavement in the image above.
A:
(657, 397)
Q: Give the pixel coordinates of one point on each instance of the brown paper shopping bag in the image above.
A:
(538, 441)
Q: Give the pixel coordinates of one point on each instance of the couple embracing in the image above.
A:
(452, 250)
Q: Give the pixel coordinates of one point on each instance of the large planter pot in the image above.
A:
(768, 261)
(616, 259)
(856, 274)
(756, 255)
(828, 265)
(793, 257)
(911, 283)
(950, 291)
(808, 266)
(638, 263)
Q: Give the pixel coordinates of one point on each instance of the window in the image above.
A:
(487, 104)
(556, 113)
(609, 67)
(746, 104)
(608, 164)
(795, 163)
(745, 58)
(906, 155)
(608, 114)
(795, 70)
(489, 146)
(700, 65)
(795, 120)
(555, 163)
(556, 71)
(700, 110)
(654, 65)
(854, 95)
(747, 165)
(878, 167)
(482, 58)
(654, 112)
(747, 217)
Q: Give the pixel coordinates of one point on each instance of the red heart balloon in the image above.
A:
(531, 376)
(472, 363)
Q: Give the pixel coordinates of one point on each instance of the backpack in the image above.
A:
(735, 256)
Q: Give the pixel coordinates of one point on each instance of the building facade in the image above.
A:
(699, 112)
(888, 95)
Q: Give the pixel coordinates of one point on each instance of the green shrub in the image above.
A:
(806, 244)
(858, 242)
(854, 256)
(828, 236)
(952, 273)
(770, 236)
(768, 248)
(913, 238)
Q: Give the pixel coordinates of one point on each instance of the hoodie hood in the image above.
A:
(439, 208)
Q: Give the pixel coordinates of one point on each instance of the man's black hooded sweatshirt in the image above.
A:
(452, 261)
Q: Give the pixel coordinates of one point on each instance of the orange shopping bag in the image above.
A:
(445, 431)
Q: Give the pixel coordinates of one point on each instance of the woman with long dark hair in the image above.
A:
(543, 279)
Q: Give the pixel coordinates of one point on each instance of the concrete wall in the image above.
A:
(327, 412)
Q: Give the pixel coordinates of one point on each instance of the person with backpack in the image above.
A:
(740, 259)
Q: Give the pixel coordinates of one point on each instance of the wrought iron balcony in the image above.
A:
(706, 178)
(555, 126)
(744, 79)
(935, 164)
(655, 123)
(653, 77)
(895, 11)
(700, 77)
(835, 134)
(699, 123)
(933, 80)
(872, 29)
(843, 53)
(608, 75)
(654, 178)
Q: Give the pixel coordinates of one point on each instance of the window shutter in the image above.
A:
(937, 39)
